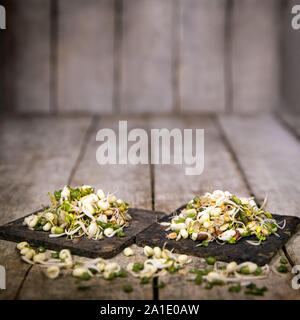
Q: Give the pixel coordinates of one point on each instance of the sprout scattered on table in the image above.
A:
(158, 262)
(222, 217)
(77, 212)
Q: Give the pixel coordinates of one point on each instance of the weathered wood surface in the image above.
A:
(269, 155)
(270, 161)
(66, 287)
(224, 175)
(85, 56)
(26, 56)
(201, 62)
(106, 248)
(146, 56)
(291, 121)
(37, 156)
(255, 55)
(221, 172)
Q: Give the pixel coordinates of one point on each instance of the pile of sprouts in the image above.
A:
(222, 217)
(77, 212)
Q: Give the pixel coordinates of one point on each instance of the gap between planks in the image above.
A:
(289, 122)
(234, 157)
(94, 121)
(22, 283)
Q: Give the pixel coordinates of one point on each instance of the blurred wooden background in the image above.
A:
(149, 56)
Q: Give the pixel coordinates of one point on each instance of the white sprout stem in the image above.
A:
(91, 266)
(97, 234)
(165, 224)
(73, 232)
(264, 202)
(283, 225)
(253, 243)
(248, 278)
(88, 214)
(82, 226)
(160, 265)
(27, 260)
(75, 208)
(57, 235)
(46, 264)
(94, 261)
(134, 274)
(277, 272)
(238, 279)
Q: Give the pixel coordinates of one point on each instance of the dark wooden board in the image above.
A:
(105, 248)
(242, 251)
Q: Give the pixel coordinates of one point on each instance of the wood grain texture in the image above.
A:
(26, 57)
(37, 157)
(271, 166)
(146, 56)
(290, 67)
(220, 171)
(269, 156)
(255, 55)
(85, 56)
(202, 47)
(23, 140)
(66, 287)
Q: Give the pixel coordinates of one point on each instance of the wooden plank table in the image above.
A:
(249, 156)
